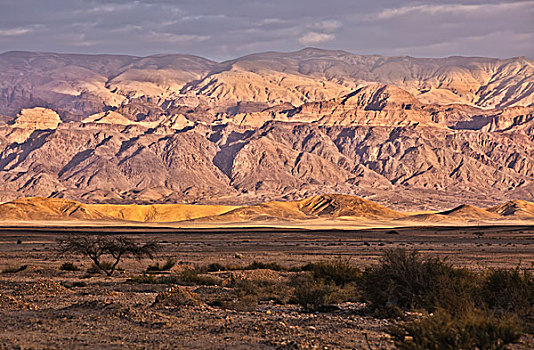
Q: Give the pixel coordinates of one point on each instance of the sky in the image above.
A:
(225, 29)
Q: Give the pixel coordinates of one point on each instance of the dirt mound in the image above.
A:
(516, 208)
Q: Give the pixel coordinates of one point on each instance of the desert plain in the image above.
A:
(44, 306)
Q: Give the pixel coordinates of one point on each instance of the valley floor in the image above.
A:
(42, 306)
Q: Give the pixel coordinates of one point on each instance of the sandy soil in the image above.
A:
(44, 307)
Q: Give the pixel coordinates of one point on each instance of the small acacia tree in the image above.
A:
(98, 246)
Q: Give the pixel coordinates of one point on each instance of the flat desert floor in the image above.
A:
(42, 306)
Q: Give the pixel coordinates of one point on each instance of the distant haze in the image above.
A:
(226, 29)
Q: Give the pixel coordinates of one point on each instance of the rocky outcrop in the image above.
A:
(37, 118)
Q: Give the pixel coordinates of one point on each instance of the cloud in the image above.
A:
(222, 30)
(177, 38)
(459, 9)
(328, 26)
(14, 31)
(314, 38)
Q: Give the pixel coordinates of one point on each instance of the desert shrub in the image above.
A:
(247, 302)
(442, 331)
(188, 277)
(73, 284)
(214, 267)
(257, 265)
(176, 296)
(338, 271)
(98, 269)
(78, 284)
(169, 264)
(510, 291)
(263, 290)
(314, 294)
(13, 269)
(68, 266)
(405, 280)
(192, 277)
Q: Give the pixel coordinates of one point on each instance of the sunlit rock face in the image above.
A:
(37, 118)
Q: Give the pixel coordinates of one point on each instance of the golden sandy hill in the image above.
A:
(466, 211)
(329, 206)
(338, 205)
(516, 208)
(270, 211)
(461, 213)
(35, 208)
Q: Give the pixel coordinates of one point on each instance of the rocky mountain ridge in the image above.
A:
(271, 126)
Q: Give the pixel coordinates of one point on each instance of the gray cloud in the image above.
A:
(226, 29)
(314, 38)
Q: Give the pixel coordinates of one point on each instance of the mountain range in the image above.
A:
(408, 133)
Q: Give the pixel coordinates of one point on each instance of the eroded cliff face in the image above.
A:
(408, 133)
(412, 166)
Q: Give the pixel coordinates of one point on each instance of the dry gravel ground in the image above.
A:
(44, 307)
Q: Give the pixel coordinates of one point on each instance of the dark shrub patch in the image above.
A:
(510, 292)
(338, 271)
(313, 294)
(191, 277)
(214, 267)
(68, 266)
(263, 290)
(404, 279)
(442, 331)
(169, 264)
(177, 296)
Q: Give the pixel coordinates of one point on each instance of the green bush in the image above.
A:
(263, 290)
(442, 331)
(255, 265)
(338, 271)
(510, 291)
(214, 267)
(407, 281)
(191, 277)
(68, 266)
(313, 294)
